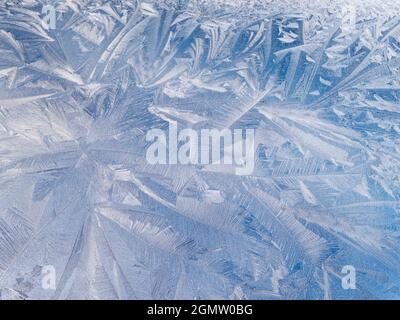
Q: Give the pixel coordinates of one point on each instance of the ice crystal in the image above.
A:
(319, 81)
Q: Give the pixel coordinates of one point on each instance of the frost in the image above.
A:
(76, 191)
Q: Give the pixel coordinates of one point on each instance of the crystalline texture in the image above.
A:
(319, 83)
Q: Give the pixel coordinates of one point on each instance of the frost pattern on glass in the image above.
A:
(321, 88)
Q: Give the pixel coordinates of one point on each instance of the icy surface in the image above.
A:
(76, 192)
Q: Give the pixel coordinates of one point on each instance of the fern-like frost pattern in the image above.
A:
(318, 81)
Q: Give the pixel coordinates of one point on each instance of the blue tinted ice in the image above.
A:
(82, 82)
